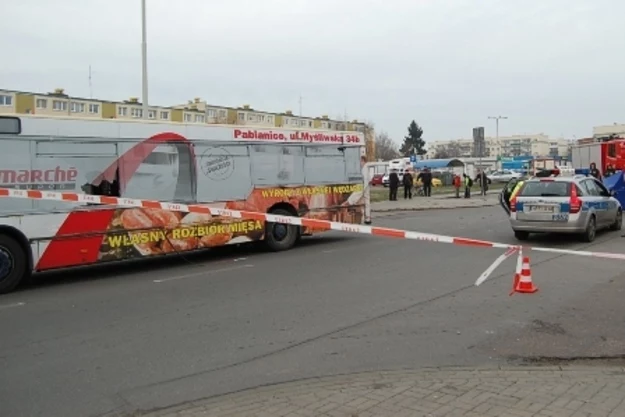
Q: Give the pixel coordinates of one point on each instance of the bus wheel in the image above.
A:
(278, 236)
(13, 264)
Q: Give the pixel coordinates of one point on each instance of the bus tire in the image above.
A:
(13, 264)
(280, 237)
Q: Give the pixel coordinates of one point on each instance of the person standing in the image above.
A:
(407, 185)
(468, 183)
(594, 171)
(609, 171)
(425, 177)
(483, 180)
(393, 185)
(457, 182)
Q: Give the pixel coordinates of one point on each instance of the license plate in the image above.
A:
(542, 209)
(560, 217)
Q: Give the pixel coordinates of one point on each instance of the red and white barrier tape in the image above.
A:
(298, 221)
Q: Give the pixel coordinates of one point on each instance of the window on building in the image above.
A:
(188, 118)
(122, 111)
(211, 113)
(164, 115)
(41, 103)
(59, 105)
(270, 119)
(241, 117)
(200, 118)
(94, 108)
(77, 107)
(152, 114)
(136, 113)
(222, 113)
(251, 118)
(6, 100)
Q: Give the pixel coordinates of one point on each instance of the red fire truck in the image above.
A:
(608, 151)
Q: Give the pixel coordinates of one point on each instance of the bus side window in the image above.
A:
(104, 188)
(612, 150)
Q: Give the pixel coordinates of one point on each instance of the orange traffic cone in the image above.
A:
(517, 271)
(515, 282)
(525, 284)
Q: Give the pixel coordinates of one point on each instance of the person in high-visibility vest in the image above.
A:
(516, 189)
(508, 194)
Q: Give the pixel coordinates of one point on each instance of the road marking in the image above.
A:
(11, 305)
(239, 259)
(195, 274)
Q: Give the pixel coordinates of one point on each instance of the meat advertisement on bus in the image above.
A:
(137, 232)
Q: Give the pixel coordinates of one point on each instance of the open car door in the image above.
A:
(506, 192)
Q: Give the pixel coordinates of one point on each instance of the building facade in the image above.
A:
(604, 131)
(196, 111)
(503, 146)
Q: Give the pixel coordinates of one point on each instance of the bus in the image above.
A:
(308, 173)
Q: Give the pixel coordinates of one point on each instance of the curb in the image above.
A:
(432, 208)
(270, 397)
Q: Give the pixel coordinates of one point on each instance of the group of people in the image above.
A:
(424, 177)
(467, 182)
(594, 171)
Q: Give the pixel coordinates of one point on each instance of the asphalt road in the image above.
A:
(120, 339)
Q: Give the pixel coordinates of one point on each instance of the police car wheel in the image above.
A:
(520, 235)
(591, 230)
(618, 222)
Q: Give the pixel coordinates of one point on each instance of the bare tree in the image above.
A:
(451, 150)
(385, 148)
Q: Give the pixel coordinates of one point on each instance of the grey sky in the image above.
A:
(552, 66)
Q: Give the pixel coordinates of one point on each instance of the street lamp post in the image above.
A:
(497, 119)
(144, 61)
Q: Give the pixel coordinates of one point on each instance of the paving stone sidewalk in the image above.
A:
(435, 202)
(546, 391)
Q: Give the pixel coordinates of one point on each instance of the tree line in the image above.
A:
(413, 144)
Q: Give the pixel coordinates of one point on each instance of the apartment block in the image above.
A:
(604, 131)
(196, 111)
(503, 146)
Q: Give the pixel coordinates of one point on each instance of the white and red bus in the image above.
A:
(315, 174)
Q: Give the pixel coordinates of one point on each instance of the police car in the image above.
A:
(575, 204)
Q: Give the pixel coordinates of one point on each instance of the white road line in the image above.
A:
(207, 272)
(11, 305)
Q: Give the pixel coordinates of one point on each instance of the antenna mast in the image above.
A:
(90, 84)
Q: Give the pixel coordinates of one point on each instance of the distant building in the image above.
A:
(602, 132)
(504, 146)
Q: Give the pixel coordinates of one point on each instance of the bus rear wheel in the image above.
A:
(13, 264)
(278, 236)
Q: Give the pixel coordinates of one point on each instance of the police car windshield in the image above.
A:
(546, 189)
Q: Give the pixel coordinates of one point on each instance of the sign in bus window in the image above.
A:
(223, 172)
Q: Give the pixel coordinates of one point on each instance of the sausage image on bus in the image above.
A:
(144, 232)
